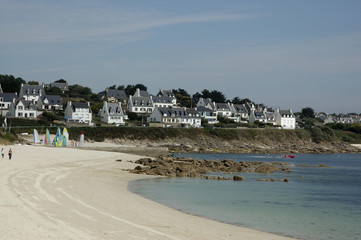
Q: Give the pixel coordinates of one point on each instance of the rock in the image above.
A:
(238, 178)
(262, 180)
(283, 180)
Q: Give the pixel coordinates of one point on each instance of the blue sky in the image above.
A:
(287, 54)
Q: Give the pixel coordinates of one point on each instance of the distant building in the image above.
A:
(63, 86)
(285, 118)
(113, 95)
(207, 114)
(50, 102)
(175, 117)
(78, 112)
(31, 92)
(141, 103)
(21, 108)
(6, 99)
(112, 113)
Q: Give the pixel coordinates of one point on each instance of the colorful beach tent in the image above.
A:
(58, 140)
(47, 137)
(65, 137)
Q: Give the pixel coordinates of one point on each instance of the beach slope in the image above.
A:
(65, 193)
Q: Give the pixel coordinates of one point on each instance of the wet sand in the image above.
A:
(68, 193)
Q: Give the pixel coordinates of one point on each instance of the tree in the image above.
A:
(245, 100)
(113, 87)
(130, 89)
(236, 100)
(218, 96)
(183, 98)
(10, 84)
(307, 113)
(60, 81)
(33, 83)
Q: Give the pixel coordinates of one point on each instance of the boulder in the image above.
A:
(238, 178)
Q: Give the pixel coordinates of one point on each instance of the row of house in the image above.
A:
(161, 108)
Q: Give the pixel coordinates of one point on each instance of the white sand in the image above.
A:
(64, 193)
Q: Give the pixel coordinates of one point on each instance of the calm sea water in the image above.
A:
(317, 203)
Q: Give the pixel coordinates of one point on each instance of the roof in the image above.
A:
(162, 99)
(259, 115)
(222, 106)
(27, 104)
(240, 108)
(53, 99)
(286, 112)
(142, 101)
(8, 97)
(32, 89)
(76, 105)
(166, 93)
(118, 94)
(114, 109)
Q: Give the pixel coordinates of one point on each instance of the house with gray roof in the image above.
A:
(112, 113)
(63, 86)
(141, 104)
(240, 113)
(113, 95)
(31, 92)
(207, 114)
(78, 112)
(21, 108)
(50, 102)
(208, 103)
(6, 99)
(285, 118)
(175, 117)
(164, 101)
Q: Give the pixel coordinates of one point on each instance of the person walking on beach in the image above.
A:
(10, 154)
(2, 152)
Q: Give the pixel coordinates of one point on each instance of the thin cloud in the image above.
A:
(25, 23)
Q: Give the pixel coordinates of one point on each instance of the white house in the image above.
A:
(112, 113)
(164, 101)
(50, 102)
(239, 112)
(285, 118)
(21, 108)
(78, 112)
(257, 116)
(31, 92)
(6, 99)
(140, 103)
(208, 114)
(175, 117)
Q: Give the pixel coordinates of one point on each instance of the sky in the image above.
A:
(286, 54)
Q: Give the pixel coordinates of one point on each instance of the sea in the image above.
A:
(317, 203)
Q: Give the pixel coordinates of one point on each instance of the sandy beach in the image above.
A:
(68, 193)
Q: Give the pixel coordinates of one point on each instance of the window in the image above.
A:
(20, 114)
(20, 107)
(31, 114)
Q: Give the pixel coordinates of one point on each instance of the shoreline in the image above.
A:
(84, 194)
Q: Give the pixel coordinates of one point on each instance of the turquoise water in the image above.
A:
(317, 203)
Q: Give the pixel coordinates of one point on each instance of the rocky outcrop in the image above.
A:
(188, 167)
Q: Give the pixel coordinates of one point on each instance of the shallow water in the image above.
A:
(317, 203)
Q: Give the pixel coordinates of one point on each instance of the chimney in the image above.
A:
(137, 92)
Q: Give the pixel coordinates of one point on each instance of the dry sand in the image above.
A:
(67, 193)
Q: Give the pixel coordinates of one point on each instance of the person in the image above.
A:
(2, 152)
(10, 154)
